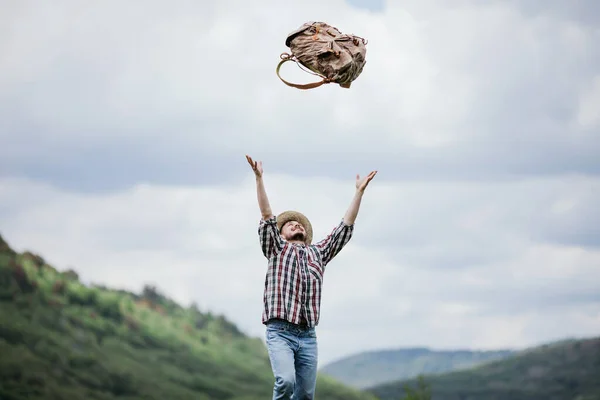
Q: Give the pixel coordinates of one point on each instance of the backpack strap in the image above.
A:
(287, 57)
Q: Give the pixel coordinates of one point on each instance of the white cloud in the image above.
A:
(589, 114)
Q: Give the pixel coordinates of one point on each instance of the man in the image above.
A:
(293, 285)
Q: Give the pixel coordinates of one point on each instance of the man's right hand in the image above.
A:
(256, 166)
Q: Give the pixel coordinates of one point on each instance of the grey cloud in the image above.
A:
(502, 295)
(97, 118)
(581, 11)
(371, 5)
(121, 164)
(469, 226)
(510, 296)
(574, 221)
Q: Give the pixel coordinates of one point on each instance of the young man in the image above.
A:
(293, 285)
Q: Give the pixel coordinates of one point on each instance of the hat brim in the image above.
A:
(290, 215)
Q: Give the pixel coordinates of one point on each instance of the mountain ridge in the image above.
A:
(369, 368)
(566, 369)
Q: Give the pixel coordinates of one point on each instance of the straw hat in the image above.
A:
(288, 216)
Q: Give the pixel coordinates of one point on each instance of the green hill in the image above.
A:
(566, 370)
(61, 339)
(377, 367)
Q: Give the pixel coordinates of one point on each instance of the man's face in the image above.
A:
(292, 231)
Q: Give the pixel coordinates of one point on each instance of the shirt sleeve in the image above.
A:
(271, 242)
(334, 242)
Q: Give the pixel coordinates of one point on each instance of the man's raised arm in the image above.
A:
(361, 185)
(331, 245)
(270, 239)
(261, 193)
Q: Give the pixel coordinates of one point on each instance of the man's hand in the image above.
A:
(256, 166)
(361, 184)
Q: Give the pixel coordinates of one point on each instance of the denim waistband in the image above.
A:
(286, 325)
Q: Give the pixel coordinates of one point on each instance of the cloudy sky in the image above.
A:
(124, 127)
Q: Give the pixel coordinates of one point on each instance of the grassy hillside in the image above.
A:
(377, 367)
(60, 339)
(567, 370)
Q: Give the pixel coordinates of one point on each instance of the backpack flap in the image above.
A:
(295, 33)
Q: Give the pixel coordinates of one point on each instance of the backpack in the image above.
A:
(328, 53)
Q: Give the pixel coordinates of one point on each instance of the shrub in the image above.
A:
(108, 305)
(70, 275)
(80, 295)
(59, 287)
(21, 278)
(37, 260)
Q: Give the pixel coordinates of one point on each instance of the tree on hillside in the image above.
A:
(151, 293)
(421, 392)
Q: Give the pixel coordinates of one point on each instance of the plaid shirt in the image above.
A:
(294, 278)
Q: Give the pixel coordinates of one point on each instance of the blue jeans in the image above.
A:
(293, 353)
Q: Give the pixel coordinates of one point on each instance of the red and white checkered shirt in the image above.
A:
(294, 278)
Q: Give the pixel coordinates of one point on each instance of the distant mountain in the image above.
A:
(565, 370)
(377, 367)
(61, 339)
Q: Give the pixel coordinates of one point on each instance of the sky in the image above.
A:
(124, 129)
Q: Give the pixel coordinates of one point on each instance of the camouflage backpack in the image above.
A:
(328, 53)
